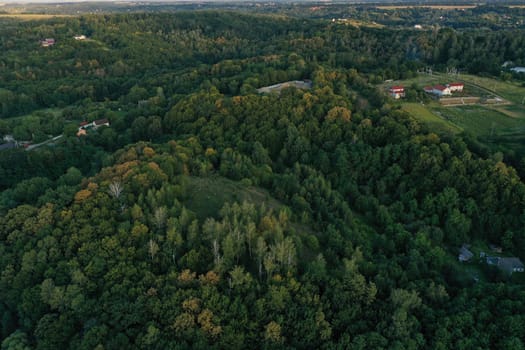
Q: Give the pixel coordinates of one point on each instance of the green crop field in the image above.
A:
(434, 121)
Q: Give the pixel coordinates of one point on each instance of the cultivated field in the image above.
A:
(478, 120)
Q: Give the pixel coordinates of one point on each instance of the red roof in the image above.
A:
(440, 87)
(83, 123)
(397, 88)
(101, 121)
(456, 84)
(427, 88)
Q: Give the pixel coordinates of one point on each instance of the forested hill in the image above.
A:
(209, 216)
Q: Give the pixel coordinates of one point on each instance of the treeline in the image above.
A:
(180, 52)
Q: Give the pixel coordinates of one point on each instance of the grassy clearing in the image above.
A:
(480, 121)
(434, 121)
(206, 196)
(511, 91)
(359, 23)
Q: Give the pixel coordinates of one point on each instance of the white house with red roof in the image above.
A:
(453, 87)
(441, 90)
(397, 91)
(47, 42)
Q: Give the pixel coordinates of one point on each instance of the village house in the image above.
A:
(518, 69)
(465, 254)
(80, 37)
(441, 90)
(453, 87)
(508, 265)
(9, 145)
(397, 92)
(495, 248)
(47, 42)
(100, 122)
(84, 126)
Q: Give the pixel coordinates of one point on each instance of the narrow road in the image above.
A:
(32, 147)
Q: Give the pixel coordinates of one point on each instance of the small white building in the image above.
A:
(80, 37)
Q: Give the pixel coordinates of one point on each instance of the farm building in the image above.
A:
(298, 84)
(508, 265)
(84, 126)
(453, 87)
(441, 90)
(465, 254)
(47, 42)
(397, 92)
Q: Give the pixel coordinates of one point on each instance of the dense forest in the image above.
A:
(211, 216)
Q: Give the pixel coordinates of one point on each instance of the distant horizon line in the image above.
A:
(388, 2)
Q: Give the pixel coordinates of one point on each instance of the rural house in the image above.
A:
(508, 265)
(84, 126)
(47, 42)
(441, 90)
(453, 87)
(397, 92)
(465, 254)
